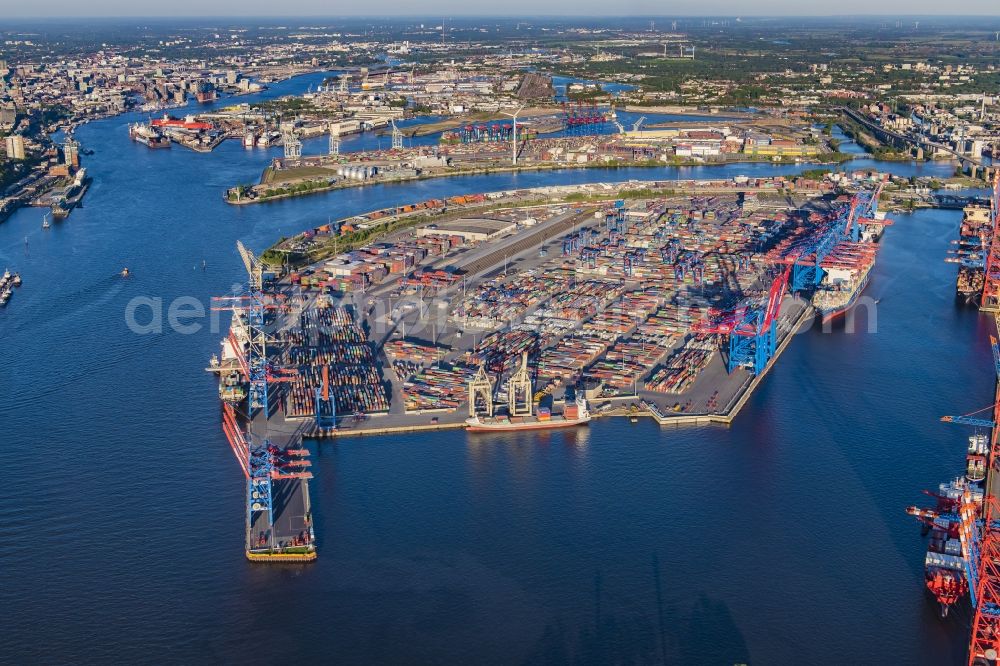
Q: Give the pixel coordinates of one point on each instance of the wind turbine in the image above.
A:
(514, 136)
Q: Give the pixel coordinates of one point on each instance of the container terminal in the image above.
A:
(620, 302)
(972, 250)
(963, 551)
(267, 446)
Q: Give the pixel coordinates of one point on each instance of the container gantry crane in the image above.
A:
(752, 331)
(808, 254)
(326, 405)
(971, 419)
(991, 286)
(252, 306)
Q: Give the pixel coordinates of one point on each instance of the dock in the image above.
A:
(642, 404)
(292, 523)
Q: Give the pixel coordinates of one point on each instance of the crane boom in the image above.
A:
(253, 266)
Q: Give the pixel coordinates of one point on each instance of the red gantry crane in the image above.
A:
(991, 286)
(752, 331)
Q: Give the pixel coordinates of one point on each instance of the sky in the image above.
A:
(388, 8)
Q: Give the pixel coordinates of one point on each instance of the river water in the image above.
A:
(781, 539)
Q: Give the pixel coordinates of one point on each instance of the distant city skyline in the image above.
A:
(457, 8)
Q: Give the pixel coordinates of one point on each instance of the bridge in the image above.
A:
(905, 141)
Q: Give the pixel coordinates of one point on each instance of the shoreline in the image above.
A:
(485, 171)
(736, 404)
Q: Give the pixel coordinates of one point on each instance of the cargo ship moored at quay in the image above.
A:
(841, 289)
(949, 566)
(574, 414)
(147, 135)
(848, 266)
(974, 238)
(520, 411)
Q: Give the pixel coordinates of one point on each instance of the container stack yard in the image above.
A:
(615, 298)
(329, 336)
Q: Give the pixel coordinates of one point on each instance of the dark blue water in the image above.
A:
(779, 540)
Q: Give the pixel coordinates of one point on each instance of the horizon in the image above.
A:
(452, 10)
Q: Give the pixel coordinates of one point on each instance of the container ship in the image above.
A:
(974, 238)
(574, 414)
(232, 385)
(520, 411)
(841, 287)
(949, 566)
(847, 267)
(949, 569)
(975, 459)
(147, 135)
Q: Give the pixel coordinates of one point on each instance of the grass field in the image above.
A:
(275, 177)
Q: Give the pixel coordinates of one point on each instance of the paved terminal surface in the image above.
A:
(390, 311)
(290, 496)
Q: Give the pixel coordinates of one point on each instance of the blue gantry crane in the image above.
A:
(326, 405)
(807, 256)
(752, 330)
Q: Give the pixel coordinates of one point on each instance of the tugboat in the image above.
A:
(125, 272)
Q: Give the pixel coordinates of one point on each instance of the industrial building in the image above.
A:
(14, 145)
(471, 229)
